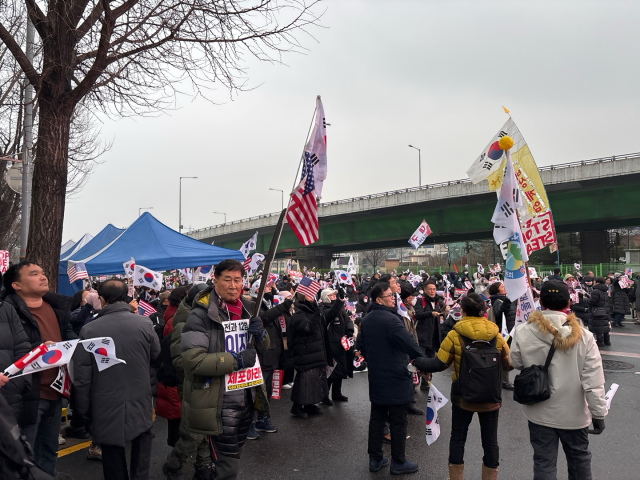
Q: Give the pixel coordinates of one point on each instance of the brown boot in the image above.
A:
(456, 471)
(489, 473)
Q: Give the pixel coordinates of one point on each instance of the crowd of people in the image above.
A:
(177, 361)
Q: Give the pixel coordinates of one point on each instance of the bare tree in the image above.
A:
(375, 257)
(128, 57)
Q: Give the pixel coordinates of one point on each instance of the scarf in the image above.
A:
(233, 309)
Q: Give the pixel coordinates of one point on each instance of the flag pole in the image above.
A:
(278, 231)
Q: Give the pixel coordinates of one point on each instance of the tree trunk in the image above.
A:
(49, 188)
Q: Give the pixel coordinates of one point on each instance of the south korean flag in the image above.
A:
(104, 352)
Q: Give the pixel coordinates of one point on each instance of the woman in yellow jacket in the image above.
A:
(474, 333)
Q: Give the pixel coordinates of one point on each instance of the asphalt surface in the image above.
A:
(334, 445)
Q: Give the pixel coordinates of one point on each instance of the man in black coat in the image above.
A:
(45, 318)
(118, 399)
(387, 346)
(14, 344)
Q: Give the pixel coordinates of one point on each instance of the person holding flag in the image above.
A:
(45, 318)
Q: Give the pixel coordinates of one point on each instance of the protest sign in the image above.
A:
(276, 384)
(245, 378)
(4, 261)
(420, 235)
(538, 232)
(236, 339)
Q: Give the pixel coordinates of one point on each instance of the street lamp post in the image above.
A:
(225, 216)
(180, 205)
(281, 196)
(419, 166)
(144, 208)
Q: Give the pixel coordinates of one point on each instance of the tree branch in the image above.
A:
(20, 57)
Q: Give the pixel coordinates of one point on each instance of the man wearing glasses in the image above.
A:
(387, 346)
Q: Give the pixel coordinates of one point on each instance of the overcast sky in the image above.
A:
(433, 74)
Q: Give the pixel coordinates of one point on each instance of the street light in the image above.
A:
(281, 195)
(144, 208)
(225, 216)
(180, 205)
(419, 166)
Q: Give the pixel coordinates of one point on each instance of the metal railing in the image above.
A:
(449, 183)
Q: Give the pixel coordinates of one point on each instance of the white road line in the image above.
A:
(620, 354)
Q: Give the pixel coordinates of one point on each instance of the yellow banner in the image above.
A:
(526, 171)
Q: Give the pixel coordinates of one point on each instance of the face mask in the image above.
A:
(364, 300)
(421, 292)
(413, 302)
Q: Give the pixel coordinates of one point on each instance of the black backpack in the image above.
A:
(480, 376)
(166, 373)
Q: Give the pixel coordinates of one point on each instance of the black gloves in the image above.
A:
(255, 327)
(245, 358)
(340, 292)
(598, 426)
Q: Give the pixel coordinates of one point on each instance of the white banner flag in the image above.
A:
(515, 275)
(57, 354)
(492, 156)
(504, 219)
(351, 267)
(144, 277)
(249, 246)
(435, 401)
(342, 276)
(316, 148)
(420, 235)
(526, 306)
(256, 260)
(104, 351)
(129, 268)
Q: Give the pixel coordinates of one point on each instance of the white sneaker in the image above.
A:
(61, 440)
(287, 386)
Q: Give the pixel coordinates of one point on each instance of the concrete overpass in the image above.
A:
(589, 195)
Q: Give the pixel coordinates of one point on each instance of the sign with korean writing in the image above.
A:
(236, 339)
(420, 235)
(535, 203)
(276, 384)
(538, 232)
(4, 261)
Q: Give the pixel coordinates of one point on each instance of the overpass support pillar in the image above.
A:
(594, 247)
(314, 257)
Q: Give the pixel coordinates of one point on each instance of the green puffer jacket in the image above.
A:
(204, 356)
(179, 320)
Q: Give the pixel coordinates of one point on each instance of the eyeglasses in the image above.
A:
(391, 295)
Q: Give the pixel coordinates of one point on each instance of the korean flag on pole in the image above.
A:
(57, 354)
(343, 277)
(434, 403)
(104, 351)
(129, 268)
(504, 219)
(144, 277)
(249, 246)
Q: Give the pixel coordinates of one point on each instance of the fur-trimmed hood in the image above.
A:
(552, 322)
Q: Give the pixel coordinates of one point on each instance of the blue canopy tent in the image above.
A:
(107, 235)
(86, 238)
(154, 245)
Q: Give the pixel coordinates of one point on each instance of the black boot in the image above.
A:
(607, 339)
(298, 411)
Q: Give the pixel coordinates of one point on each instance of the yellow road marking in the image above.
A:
(74, 448)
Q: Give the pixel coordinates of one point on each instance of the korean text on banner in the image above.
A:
(277, 384)
(420, 235)
(236, 339)
(538, 232)
(526, 306)
(4, 260)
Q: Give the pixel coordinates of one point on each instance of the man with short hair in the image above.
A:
(215, 342)
(117, 401)
(557, 275)
(577, 393)
(45, 318)
(387, 346)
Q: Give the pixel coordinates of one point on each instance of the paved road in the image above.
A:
(334, 445)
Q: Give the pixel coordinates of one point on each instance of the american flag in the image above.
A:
(246, 264)
(145, 309)
(302, 214)
(76, 271)
(308, 287)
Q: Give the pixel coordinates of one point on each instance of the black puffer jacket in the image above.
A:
(270, 319)
(61, 305)
(599, 312)
(502, 305)
(14, 344)
(428, 326)
(338, 325)
(361, 306)
(620, 299)
(307, 337)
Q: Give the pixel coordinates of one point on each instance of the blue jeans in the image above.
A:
(43, 435)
